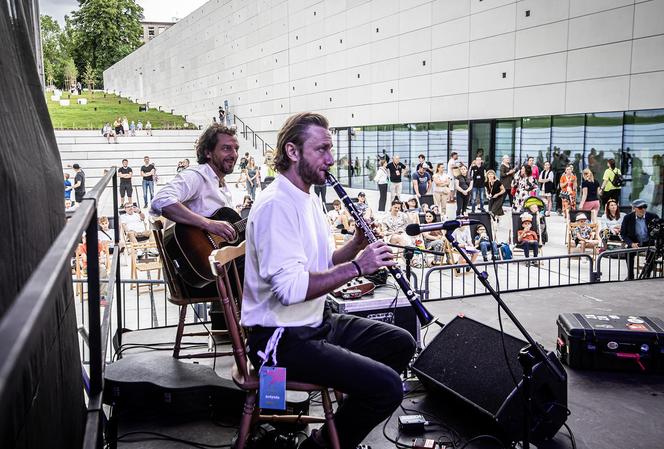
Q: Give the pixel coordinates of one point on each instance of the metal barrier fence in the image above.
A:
(453, 281)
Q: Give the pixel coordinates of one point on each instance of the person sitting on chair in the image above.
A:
(634, 231)
(483, 243)
(584, 234)
(527, 238)
(611, 223)
(465, 240)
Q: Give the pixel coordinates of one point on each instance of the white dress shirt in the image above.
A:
(287, 238)
(197, 188)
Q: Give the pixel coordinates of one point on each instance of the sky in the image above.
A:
(153, 10)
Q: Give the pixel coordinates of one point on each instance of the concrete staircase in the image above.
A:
(165, 148)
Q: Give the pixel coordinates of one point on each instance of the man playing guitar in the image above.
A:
(197, 192)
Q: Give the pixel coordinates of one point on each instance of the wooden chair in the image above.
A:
(244, 375)
(514, 236)
(182, 296)
(571, 244)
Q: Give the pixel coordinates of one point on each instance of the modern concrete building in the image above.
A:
(575, 81)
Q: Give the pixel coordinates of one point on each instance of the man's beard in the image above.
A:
(308, 173)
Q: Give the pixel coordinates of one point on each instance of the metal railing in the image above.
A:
(613, 265)
(453, 281)
(249, 134)
(28, 312)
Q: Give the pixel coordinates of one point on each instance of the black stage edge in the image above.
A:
(609, 410)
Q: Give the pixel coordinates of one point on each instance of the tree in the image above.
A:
(105, 32)
(89, 77)
(70, 73)
(52, 49)
(49, 72)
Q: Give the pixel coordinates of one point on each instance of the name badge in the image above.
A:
(272, 388)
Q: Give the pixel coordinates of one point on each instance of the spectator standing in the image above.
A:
(421, 160)
(452, 172)
(634, 231)
(132, 129)
(608, 189)
(568, 188)
(139, 126)
(68, 187)
(495, 192)
(396, 170)
(148, 128)
(534, 169)
(463, 187)
(147, 172)
(441, 189)
(222, 115)
(253, 177)
(421, 181)
(507, 177)
(125, 173)
(381, 178)
(524, 186)
(548, 186)
(125, 126)
(477, 174)
(589, 194)
(79, 183)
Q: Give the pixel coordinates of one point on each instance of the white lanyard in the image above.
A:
(271, 347)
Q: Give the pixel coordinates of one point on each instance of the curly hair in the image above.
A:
(208, 140)
(294, 131)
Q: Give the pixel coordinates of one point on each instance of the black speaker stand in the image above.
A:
(529, 355)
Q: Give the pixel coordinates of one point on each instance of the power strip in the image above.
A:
(423, 443)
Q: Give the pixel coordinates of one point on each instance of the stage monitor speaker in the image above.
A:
(466, 359)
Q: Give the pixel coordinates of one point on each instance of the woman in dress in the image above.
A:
(441, 189)
(568, 187)
(525, 185)
(547, 184)
(495, 191)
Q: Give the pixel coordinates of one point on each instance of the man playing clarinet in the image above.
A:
(290, 266)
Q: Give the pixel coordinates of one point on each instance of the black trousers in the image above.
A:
(357, 356)
(320, 190)
(382, 199)
(462, 203)
(611, 195)
(630, 261)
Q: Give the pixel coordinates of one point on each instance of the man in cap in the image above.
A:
(634, 231)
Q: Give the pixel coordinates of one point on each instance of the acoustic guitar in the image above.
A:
(189, 247)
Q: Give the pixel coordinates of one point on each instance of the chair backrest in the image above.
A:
(224, 266)
(516, 226)
(172, 280)
(485, 219)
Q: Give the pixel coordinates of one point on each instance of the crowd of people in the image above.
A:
(122, 127)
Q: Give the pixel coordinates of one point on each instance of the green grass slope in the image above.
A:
(102, 108)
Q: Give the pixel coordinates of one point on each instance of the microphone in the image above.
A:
(449, 225)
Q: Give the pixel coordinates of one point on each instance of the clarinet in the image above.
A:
(422, 313)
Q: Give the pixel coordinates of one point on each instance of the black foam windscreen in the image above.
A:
(467, 359)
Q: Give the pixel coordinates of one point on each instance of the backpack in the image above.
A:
(505, 251)
(618, 180)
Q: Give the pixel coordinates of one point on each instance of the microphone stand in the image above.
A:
(529, 355)
(408, 253)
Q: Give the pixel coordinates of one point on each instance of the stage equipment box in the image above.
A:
(384, 304)
(611, 342)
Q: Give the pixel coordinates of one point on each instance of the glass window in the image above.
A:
(604, 133)
(535, 140)
(567, 136)
(508, 133)
(371, 155)
(342, 166)
(356, 161)
(402, 149)
(459, 141)
(642, 157)
(438, 143)
(481, 141)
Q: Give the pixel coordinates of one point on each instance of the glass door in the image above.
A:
(481, 141)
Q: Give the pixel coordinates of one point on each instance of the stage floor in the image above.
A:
(609, 410)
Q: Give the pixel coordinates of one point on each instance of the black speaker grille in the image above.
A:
(467, 358)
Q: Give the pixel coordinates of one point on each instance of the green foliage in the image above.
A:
(70, 72)
(89, 77)
(54, 55)
(102, 108)
(105, 32)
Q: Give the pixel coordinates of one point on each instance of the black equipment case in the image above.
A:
(611, 342)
